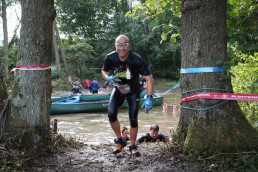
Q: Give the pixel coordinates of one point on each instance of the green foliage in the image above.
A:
(83, 18)
(162, 56)
(161, 13)
(242, 25)
(61, 84)
(165, 83)
(79, 55)
(245, 80)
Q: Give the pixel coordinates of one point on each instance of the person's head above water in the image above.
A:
(124, 132)
(154, 131)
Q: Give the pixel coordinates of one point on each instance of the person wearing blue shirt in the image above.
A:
(94, 86)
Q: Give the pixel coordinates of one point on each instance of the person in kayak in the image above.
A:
(153, 135)
(126, 67)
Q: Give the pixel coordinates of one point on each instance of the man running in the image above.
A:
(126, 66)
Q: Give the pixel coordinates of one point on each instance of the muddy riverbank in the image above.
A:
(88, 158)
(64, 155)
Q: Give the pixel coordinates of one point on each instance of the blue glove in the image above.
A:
(112, 79)
(148, 104)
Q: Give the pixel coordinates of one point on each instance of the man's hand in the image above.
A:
(148, 104)
(112, 79)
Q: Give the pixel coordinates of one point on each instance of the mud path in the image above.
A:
(88, 158)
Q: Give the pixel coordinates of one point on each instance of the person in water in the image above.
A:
(125, 133)
(126, 67)
(94, 86)
(153, 135)
(87, 83)
(76, 86)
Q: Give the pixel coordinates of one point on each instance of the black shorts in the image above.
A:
(116, 101)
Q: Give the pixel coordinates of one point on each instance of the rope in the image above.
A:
(171, 104)
(206, 108)
(177, 85)
(207, 89)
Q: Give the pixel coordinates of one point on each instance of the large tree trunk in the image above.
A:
(222, 128)
(29, 119)
(5, 61)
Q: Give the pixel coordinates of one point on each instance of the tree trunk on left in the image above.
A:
(5, 61)
(28, 120)
(3, 103)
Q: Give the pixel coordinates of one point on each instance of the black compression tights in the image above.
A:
(117, 99)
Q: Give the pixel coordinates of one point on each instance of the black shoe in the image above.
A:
(120, 144)
(133, 150)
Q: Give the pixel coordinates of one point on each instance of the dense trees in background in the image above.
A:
(99, 23)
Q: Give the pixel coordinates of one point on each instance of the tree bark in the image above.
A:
(29, 119)
(5, 61)
(3, 103)
(222, 128)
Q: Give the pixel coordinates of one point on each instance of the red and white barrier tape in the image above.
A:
(31, 67)
(223, 96)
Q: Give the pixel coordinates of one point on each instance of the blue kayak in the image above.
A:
(75, 99)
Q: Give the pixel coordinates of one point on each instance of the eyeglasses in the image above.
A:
(120, 45)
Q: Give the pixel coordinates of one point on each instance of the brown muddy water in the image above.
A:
(94, 128)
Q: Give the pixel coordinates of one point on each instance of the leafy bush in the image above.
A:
(245, 80)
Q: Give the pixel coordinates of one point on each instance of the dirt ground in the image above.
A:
(88, 158)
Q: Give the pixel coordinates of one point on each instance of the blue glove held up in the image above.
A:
(148, 104)
(112, 79)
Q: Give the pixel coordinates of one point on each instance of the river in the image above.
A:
(94, 128)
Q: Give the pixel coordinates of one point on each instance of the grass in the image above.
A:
(163, 83)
